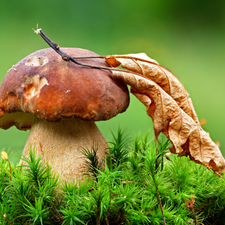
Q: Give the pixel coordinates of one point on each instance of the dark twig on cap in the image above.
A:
(65, 56)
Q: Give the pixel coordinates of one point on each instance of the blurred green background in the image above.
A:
(187, 37)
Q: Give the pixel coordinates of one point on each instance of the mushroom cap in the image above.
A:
(44, 85)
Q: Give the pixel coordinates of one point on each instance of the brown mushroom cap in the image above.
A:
(44, 85)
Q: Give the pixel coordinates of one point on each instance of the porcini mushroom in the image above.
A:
(59, 101)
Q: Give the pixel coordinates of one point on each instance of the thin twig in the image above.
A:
(160, 203)
(67, 57)
(128, 57)
(107, 217)
(6, 219)
(10, 169)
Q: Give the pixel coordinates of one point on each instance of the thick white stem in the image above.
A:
(61, 143)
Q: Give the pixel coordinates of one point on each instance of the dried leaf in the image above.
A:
(4, 155)
(187, 136)
(202, 122)
(112, 61)
(142, 64)
(127, 182)
(190, 203)
(217, 143)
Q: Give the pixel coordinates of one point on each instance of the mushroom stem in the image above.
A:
(61, 143)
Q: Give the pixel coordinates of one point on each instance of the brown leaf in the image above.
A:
(142, 64)
(126, 182)
(187, 136)
(91, 189)
(4, 155)
(112, 61)
(217, 143)
(190, 204)
(202, 122)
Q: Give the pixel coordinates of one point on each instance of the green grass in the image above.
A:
(139, 185)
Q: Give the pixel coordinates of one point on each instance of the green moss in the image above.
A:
(138, 185)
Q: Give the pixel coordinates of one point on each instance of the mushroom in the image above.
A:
(60, 102)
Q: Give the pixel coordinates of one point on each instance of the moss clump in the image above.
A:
(139, 184)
